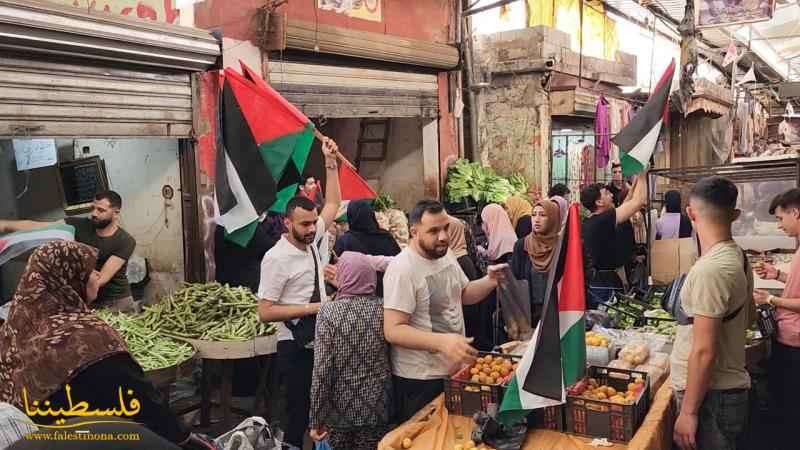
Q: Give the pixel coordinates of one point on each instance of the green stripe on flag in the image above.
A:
(573, 353)
(295, 147)
(631, 165)
(242, 236)
(512, 410)
(303, 147)
(283, 197)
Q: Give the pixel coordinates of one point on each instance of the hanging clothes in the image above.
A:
(615, 124)
(587, 165)
(627, 114)
(574, 163)
(602, 130)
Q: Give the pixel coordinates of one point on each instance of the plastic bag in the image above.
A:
(620, 364)
(253, 433)
(659, 360)
(654, 373)
(515, 302)
(635, 353)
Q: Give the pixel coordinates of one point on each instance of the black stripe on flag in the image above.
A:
(245, 154)
(545, 377)
(653, 111)
(225, 198)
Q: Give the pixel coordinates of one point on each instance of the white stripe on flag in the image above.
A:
(646, 146)
(244, 213)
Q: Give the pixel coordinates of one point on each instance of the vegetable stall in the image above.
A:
(210, 321)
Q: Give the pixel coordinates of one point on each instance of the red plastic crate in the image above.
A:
(603, 419)
(462, 397)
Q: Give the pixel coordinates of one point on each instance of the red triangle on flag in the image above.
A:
(352, 185)
(268, 115)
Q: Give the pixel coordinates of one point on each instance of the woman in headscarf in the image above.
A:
(673, 224)
(534, 254)
(519, 211)
(499, 233)
(352, 385)
(475, 322)
(52, 340)
(365, 236)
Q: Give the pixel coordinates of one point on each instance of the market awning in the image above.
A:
(34, 27)
(742, 172)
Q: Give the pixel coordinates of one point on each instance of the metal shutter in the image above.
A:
(341, 92)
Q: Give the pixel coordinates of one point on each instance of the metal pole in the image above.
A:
(580, 51)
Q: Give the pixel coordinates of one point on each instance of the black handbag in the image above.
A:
(766, 321)
(304, 330)
(671, 302)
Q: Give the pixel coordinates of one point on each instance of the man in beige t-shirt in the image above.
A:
(709, 376)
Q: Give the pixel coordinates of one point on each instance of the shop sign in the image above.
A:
(359, 9)
(155, 10)
(717, 13)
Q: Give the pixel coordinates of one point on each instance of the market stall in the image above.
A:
(435, 429)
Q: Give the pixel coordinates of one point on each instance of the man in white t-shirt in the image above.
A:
(424, 290)
(292, 287)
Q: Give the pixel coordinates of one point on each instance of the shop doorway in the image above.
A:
(145, 172)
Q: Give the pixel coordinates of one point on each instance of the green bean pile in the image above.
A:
(150, 348)
(211, 311)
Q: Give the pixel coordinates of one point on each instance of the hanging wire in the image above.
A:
(652, 56)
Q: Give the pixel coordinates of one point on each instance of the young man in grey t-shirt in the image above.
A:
(424, 290)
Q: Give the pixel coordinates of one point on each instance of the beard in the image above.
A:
(100, 224)
(435, 251)
(305, 239)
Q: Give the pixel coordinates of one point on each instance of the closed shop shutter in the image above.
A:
(67, 73)
(342, 92)
(54, 99)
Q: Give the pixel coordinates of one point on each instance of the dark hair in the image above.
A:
(720, 194)
(786, 200)
(615, 165)
(672, 201)
(113, 198)
(422, 207)
(299, 201)
(309, 177)
(559, 189)
(590, 195)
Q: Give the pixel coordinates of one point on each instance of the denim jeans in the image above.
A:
(721, 420)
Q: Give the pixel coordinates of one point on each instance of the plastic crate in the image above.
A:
(463, 397)
(549, 418)
(603, 419)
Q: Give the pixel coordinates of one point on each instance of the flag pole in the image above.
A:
(339, 154)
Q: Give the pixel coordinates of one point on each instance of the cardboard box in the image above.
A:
(671, 258)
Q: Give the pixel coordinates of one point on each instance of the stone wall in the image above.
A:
(513, 106)
(510, 126)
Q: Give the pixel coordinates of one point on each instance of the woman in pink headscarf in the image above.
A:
(499, 232)
(351, 385)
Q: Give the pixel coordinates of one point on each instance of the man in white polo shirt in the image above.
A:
(292, 288)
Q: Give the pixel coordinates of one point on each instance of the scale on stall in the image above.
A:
(80, 181)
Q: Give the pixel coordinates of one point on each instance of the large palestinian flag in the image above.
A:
(556, 356)
(15, 244)
(262, 153)
(639, 138)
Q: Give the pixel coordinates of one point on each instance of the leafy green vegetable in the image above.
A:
(467, 179)
(383, 202)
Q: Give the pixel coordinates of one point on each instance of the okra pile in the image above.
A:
(150, 348)
(210, 311)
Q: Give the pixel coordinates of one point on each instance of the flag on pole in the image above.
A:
(262, 155)
(639, 138)
(556, 356)
(749, 77)
(17, 243)
(731, 54)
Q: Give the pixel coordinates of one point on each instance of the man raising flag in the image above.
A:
(639, 138)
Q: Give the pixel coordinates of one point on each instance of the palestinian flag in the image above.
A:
(639, 138)
(265, 142)
(17, 243)
(556, 356)
(263, 154)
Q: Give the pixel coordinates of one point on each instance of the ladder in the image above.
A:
(373, 141)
